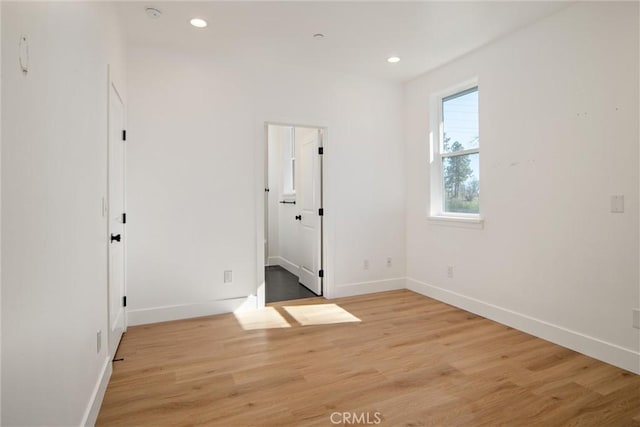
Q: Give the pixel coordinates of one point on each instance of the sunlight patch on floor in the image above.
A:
(264, 318)
(320, 314)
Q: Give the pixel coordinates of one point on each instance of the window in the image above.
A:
(289, 164)
(457, 161)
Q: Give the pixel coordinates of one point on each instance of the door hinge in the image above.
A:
(124, 135)
(321, 273)
(321, 212)
(124, 218)
(266, 190)
(321, 150)
(124, 301)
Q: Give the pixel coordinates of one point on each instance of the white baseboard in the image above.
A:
(93, 409)
(607, 352)
(362, 288)
(285, 263)
(185, 311)
(273, 260)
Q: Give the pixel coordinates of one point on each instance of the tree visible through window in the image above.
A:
(460, 152)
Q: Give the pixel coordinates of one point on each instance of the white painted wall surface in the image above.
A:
(196, 129)
(559, 135)
(54, 136)
(282, 224)
(275, 191)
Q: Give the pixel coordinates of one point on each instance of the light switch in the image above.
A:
(228, 276)
(617, 204)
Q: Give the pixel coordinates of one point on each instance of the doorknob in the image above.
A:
(115, 237)
(299, 217)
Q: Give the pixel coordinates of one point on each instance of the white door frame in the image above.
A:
(262, 183)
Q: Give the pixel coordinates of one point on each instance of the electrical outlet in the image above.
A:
(450, 272)
(389, 262)
(98, 341)
(617, 204)
(365, 264)
(636, 318)
(228, 276)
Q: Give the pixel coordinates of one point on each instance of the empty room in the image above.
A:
(317, 213)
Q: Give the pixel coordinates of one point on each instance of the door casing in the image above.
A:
(325, 221)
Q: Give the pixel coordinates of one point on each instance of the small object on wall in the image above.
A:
(23, 59)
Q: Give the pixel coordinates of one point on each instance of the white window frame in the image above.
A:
(436, 211)
(290, 162)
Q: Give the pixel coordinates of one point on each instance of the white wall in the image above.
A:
(283, 227)
(195, 170)
(559, 135)
(275, 134)
(54, 145)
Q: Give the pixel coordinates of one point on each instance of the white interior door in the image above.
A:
(116, 220)
(309, 201)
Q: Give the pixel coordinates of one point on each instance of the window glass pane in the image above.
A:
(461, 183)
(460, 121)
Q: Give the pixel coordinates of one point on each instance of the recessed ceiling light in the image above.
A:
(198, 22)
(318, 36)
(393, 59)
(153, 12)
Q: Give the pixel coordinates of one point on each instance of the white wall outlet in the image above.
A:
(365, 264)
(450, 272)
(228, 276)
(389, 262)
(98, 341)
(617, 204)
(636, 318)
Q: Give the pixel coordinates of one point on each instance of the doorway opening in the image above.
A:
(293, 213)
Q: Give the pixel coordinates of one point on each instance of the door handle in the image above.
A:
(115, 237)
(299, 217)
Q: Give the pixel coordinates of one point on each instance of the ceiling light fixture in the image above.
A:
(318, 36)
(393, 59)
(154, 13)
(198, 22)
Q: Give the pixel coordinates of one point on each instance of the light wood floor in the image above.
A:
(414, 360)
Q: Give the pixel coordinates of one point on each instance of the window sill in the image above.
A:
(457, 221)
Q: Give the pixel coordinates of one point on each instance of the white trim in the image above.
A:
(286, 264)
(461, 152)
(167, 313)
(602, 350)
(95, 402)
(476, 222)
(273, 260)
(361, 288)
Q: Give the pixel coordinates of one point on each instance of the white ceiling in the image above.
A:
(359, 36)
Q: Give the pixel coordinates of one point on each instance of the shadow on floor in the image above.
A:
(282, 285)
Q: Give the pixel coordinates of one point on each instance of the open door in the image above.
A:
(309, 202)
(117, 218)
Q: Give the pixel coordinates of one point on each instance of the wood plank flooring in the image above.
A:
(409, 361)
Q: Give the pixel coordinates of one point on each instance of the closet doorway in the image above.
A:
(293, 213)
